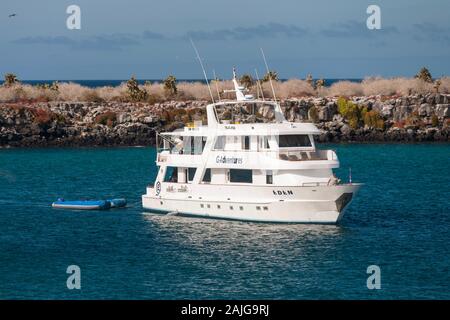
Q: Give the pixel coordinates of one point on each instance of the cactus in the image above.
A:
(135, 93)
(170, 85)
(309, 80)
(425, 75)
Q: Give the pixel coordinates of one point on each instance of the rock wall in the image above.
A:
(404, 119)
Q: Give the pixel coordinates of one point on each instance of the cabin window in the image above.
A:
(269, 177)
(241, 175)
(171, 174)
(263, 142)
(246, 143)
(293, 140)
(191, 173)
(220, 143)
(207, 176)
(193, 145)
(187, 145)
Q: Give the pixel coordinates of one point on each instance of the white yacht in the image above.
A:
(243, 166)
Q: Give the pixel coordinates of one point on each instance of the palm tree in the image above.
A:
(10, 80)
(271, 75)
(246, 80)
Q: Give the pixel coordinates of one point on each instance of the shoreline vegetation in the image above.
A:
(374, 110)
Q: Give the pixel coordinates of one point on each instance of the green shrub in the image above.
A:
(350, 111)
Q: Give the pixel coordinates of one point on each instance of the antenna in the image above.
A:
(203, 68)
(217, 83)
(259, 84)
(268, 71)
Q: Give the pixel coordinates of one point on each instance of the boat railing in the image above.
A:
(314, 184)
(297, 155)
(304, 155)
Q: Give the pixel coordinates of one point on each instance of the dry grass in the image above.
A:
(345, 88)
(445, 85)
(292, 88)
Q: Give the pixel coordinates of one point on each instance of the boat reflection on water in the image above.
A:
(227, 235)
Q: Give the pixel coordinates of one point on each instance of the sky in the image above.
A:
(150, 38)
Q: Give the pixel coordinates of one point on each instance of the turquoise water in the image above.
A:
(399, 221)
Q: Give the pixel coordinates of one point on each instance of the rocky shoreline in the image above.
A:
(413, 118)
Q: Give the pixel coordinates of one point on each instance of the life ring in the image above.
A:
(158, 188)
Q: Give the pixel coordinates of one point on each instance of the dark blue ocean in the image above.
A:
(400, 221)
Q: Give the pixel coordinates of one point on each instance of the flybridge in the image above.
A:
(240, 90)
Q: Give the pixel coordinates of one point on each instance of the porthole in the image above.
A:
(258, 208)
(231, 207)
(160, 202)
(208, 206)
(241, 208)
(265, 208)
(201, 205)
(218, 206)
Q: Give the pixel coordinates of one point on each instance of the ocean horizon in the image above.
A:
(117, 82)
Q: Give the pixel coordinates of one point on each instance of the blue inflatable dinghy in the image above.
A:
(82, 205)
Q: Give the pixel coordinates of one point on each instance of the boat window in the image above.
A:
(193, 145)
(171, 174)
(220, 143)
(263, 142)
(269, 177)
(293, 140)
(241, 175)
(207, 176)
(246, 143)
(191, 173)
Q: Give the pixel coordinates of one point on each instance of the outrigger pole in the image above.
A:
(259, 86)
(268, 74)
(204, 72)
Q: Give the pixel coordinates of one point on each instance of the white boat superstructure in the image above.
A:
(242, 167)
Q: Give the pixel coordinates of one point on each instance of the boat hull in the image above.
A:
(326, 205)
